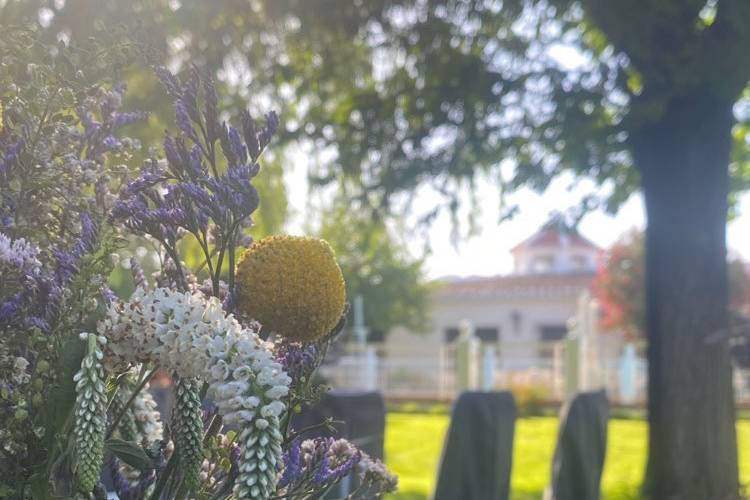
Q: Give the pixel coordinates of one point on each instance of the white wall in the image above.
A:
(564, 260)
(515, 347)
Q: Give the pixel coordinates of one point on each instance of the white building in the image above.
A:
(521, 314)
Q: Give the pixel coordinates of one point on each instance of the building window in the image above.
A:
(548, 335)
(515, 321)
(488, 334)
(375, 335)
(552, 333)
(542, 264)
(450, 334)
(580, 262)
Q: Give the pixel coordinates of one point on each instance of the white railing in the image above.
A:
(536, 366)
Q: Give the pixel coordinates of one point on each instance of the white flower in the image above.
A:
(219, 371)
(251, 402)
(217, 347)
(19, 370)
(277, 392)
(246, 348)
(242, 373)
(192, 336)
(272, 409)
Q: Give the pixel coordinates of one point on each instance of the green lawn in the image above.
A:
(414, 442)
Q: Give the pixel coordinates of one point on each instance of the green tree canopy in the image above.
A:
(378, 266)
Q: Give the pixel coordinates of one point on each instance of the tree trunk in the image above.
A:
(683, 160)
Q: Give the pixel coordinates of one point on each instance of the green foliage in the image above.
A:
(130, 453)
(531, 399)
(413, 445)
(407, 93)
(377, 265)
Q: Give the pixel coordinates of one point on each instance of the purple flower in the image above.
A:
(169, 81)
(111, 142)
(326, 460)
(183, 120)
(239, 151)
(10, 156)
(10, 308)
(66, 267)
(125, 489)
(297, 360)
(338, 461)
(139, 277)
(212, 109)
(293, 468)
(267, 132)
(90, 126)
(108, 295)
(122, 119)
(89, 237)
(37, 322)
(170, 151)
(194, 163)
(19, 254)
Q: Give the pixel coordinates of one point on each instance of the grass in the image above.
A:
(414, 443)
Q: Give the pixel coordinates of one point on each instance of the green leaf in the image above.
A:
(62, 394)
(38, 486)
(130, 453)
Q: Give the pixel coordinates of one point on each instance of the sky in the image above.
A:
(488, 252)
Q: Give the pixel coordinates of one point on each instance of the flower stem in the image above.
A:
(137, 390)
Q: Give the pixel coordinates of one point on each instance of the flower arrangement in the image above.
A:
(241, 342)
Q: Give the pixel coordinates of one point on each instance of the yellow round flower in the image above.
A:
(292, 285)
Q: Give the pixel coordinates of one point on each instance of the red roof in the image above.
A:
(554, 237)
(518, 285)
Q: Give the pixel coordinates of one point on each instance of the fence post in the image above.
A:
(628, 391)
(467, 359)
(571, 363)
(488, 368)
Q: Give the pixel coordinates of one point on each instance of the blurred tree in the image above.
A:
(377, 265)
(407, 92)
(620, 288)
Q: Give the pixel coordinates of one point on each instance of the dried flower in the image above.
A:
(292, 285)
(377, 475)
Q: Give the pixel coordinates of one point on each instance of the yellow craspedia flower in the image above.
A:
(292, 285)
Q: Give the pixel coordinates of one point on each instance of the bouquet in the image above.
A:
(240, 332)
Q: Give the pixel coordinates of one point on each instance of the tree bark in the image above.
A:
(683, 160)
